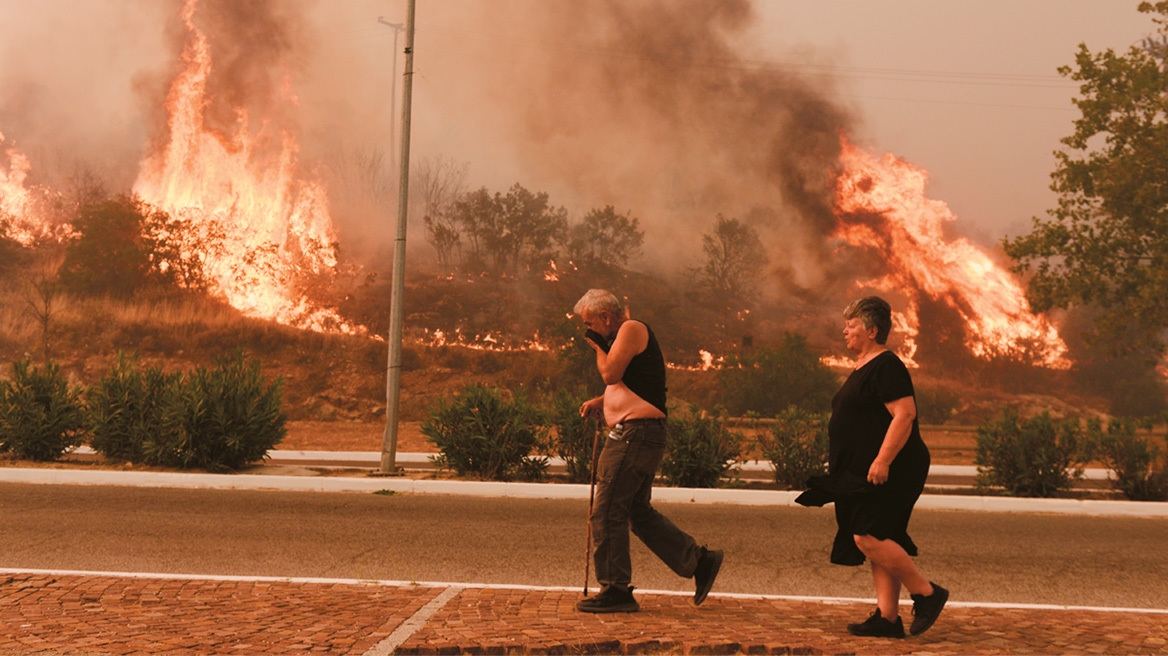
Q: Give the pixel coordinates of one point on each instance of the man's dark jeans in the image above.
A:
(624, 487)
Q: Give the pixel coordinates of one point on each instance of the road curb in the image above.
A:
(548, 491)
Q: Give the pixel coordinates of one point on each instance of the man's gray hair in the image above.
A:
(873, 312)
(597, 301)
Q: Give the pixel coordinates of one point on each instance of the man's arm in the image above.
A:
(593, 408)
(631, 339)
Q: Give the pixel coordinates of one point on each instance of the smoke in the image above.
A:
(258, 50)
(74, 79)
(652, 106)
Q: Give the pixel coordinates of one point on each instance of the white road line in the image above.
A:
(550, 588)
(411, 626)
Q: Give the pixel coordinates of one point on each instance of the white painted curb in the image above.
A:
(548, 491)
(373, 459)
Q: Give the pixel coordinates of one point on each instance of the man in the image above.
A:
(633, 407)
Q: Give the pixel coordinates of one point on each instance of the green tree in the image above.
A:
(530, 226)
(514, 231)
(123, 245)
(735, 258)
(440, 183)
(768, 380)
(476, 216)
(1106, 244)
(10, 249)
(605, 236)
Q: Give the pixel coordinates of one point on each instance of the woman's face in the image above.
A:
(856, 336)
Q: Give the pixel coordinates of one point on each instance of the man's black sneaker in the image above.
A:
(926, 609)
(704, 574)
(877, 627)
(610, 600)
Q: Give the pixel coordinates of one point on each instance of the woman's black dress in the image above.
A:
(859, 422)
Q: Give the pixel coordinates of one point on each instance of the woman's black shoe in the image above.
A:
(926, 609)
(877, 627)
(610, 600)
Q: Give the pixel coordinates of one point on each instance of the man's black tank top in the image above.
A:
(645, 375)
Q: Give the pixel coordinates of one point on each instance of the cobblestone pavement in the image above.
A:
(105, 614)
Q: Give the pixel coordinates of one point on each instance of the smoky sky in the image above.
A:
(650, 106)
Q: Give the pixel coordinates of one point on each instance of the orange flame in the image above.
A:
(881, 204)
(708, 361)
(552, 274)
(269, 226)
(23, 213)
(486, 342)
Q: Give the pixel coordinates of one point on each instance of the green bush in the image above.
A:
(574, 435)
(119, 248)
(935, 405)
(770, 379)
(41, 416)
(1132, 460)
(700, 450)
(482, 433)
(132, 410)
(1035, 457)
(796, 446)
(532, 468)
(228, 416)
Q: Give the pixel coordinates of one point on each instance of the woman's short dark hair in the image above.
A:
(873, 312)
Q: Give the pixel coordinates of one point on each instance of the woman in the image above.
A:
(876, 452)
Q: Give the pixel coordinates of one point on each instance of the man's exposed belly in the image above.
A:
(621, 403)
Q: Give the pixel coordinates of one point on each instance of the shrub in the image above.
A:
(770, 379)
(796, 446)
(935, 405)
(482, 433)
(1132, 460)
(700, 450)
(1036, 457)
(41, 416)
(132, 411)
(228, 416)
(112, 253)
(532, 469)
(575, 436)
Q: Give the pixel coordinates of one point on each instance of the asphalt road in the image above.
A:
(981, 557)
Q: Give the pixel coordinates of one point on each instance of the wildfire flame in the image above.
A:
(881, 205)
(260, 225)
(486, 342)
(22, 208)
(708, 361)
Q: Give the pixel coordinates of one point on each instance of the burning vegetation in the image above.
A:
(763, 222)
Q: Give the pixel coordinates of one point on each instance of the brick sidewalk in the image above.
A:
(72, 614)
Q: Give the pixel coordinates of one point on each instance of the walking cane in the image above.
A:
(591, 496)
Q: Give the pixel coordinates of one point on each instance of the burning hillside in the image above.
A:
(761, 142)
(25, 211)
(262, 227)
(883, 209)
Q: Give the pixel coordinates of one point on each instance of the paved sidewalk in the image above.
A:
(63, 613)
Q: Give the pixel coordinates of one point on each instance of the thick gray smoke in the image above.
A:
(648, 106)
(652, 106)
(82, 83)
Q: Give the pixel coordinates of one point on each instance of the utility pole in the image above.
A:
(398, 28)
(393, 379)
